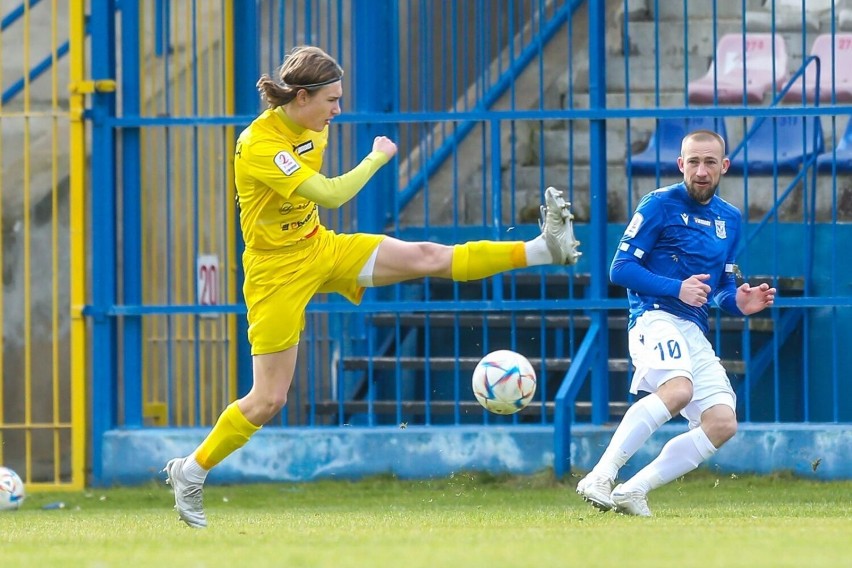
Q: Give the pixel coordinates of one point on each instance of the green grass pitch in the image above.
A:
(467, 520)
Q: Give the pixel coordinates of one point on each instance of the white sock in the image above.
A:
(639, 422)
(194, 473)
(537, 252)
(679, 456)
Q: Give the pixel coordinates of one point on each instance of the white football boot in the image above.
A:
(188, 497)
(557, 228)
(596, 490)
(630, 502)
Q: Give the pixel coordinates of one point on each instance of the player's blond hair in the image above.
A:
(703, 136)
(305, 67)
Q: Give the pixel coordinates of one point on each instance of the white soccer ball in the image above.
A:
(504, 382)
(11, 490)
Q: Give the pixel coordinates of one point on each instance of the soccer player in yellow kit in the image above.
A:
(290, 256)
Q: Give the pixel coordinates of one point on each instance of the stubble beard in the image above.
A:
(701, 196)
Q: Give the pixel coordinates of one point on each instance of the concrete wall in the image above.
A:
(307, 454)
(34, 228)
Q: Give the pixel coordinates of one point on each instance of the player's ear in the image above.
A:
(680, 163)
(726, 163)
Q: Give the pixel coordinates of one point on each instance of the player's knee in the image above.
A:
(268, 406)
(676, 394)
(431, 257)
(720, 429)
(276, 402)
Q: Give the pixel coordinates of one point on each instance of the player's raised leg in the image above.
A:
(398, 261)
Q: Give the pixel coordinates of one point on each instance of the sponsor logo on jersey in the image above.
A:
(286, 163)
(634, 225)
(704, 222)
(286, 207)
(299, 224)
(304, 147)
(720, 229)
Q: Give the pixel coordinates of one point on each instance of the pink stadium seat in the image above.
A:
(842, 71)
(728, 85)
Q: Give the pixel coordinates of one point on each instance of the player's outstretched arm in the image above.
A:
(752, 300)
(334, 192)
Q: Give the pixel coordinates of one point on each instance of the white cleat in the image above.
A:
(596, 489)
(188, 498)
(557, 228)
(630, 502)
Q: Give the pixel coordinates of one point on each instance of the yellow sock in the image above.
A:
(230, 433)
(480, 259)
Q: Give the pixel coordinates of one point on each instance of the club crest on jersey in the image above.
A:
(286, 163)
(720, 229)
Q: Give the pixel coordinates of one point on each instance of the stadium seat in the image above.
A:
(728, 84)
(842, 72)
(794, 136)
(843, 154)
(667, 137)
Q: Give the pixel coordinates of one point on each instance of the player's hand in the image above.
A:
(693, 291)
(752, 300)
(385, 145)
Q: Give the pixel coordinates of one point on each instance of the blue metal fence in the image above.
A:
(492, 102)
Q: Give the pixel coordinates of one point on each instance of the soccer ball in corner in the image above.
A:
(504, 382)
(11, 490)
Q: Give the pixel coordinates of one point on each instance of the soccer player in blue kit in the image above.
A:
(676, 255)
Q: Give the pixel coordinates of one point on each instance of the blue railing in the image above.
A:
(385, 373)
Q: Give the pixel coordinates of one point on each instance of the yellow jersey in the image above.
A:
(272, 158)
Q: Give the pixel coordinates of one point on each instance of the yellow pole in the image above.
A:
(2, 263)
(54, 239)
(230, 226)
(79, 370)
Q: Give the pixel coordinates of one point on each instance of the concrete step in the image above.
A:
(551, 146)
(696, 45)
(444, 407)
(553, 364)
(762, 192)
(526, 183)
(523, 184)
(697, 11)
(549, 321)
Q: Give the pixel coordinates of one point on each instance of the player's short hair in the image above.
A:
(703, 136)
(305, 67)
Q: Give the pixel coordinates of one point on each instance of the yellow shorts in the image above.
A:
(279, 285)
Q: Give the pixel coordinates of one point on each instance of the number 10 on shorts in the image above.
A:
(670, 350)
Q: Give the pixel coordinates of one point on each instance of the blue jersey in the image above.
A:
(670, 238)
